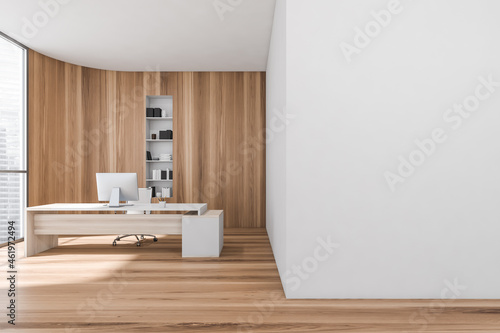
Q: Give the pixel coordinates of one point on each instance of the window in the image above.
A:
(13, 166)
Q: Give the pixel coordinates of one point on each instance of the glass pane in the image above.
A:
(12, 86)
(12, 204)
(12, 139)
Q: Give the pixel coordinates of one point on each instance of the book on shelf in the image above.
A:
(153, 189)
(166, 192)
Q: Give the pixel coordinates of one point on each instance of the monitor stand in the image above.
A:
(114, 199)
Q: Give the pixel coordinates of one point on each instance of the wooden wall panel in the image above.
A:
(83, 121)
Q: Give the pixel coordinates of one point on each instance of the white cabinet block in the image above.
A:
(203, 235)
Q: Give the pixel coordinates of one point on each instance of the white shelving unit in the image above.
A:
(156, 147)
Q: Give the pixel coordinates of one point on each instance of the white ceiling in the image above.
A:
(145, 35)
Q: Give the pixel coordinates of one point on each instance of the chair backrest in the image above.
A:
(145, 195)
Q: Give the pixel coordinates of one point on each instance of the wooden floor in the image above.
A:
(86, 285)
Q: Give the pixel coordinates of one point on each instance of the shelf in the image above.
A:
(159, 140)
(159, 118)
(159, 180)
(159, 161)
(162, 97)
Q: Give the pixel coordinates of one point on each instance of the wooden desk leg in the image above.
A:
(34, 244)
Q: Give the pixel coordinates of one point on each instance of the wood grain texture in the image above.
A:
(108, 224)
(87, 285)
(83, 121)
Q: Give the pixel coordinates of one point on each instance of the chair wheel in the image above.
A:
(114, 243)
(155, 239)
(138, 243)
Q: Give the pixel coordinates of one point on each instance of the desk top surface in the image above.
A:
(100, 207)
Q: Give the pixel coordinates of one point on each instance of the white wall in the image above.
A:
(354, 120)
(275, 151)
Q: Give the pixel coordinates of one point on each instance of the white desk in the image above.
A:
(44, 223)
(98, 207)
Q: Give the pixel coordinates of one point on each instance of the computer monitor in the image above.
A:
(116, 187)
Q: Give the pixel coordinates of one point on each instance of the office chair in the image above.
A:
(145, 195)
